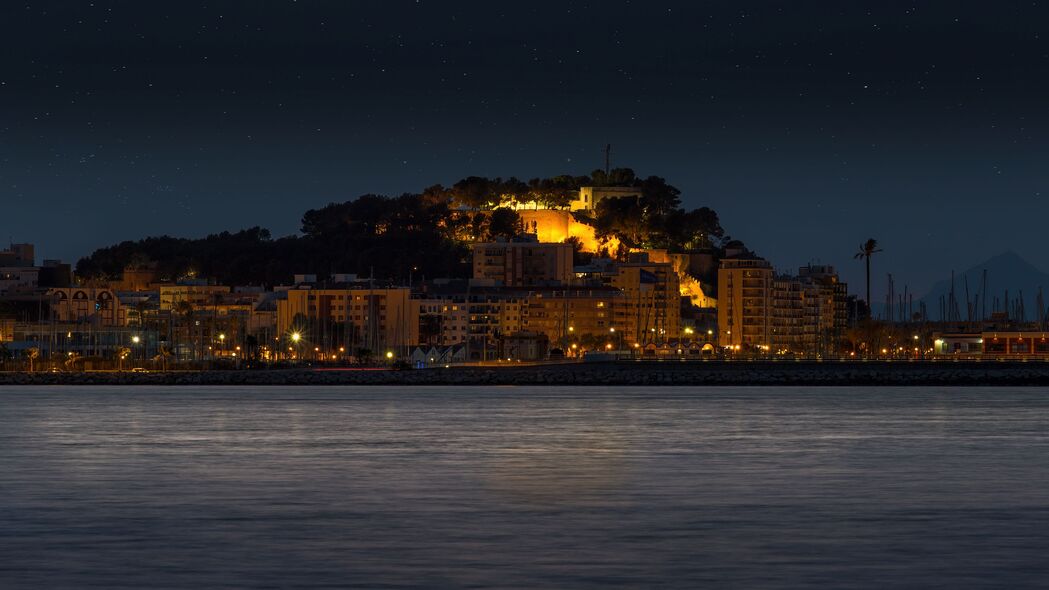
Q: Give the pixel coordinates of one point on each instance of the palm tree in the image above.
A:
(163, 355)
(868, 249)
(122, 353)
(32, 355)
(184, 309)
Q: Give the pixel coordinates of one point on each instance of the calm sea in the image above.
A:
(520, 487)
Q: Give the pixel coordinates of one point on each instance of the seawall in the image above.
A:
(628, 373)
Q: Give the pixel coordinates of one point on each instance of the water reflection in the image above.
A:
(523, 487)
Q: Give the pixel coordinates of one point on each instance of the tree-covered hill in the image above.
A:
(427, 233)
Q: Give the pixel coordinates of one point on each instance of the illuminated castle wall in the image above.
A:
(554, 225)
(551, 225)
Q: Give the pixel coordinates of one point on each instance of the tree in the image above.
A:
(32, 355)
(579, 257)
(512, 190)
(868, 249)
(430, 329)
(364, 356)
(615, 177)
(683, 231)
(622, 217)
(476, 192)
(658, 198)
(184, 309)
(504, 223)
(164, 355)
(554, 193)
(122, 353)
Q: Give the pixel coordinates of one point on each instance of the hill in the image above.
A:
(1006, 272)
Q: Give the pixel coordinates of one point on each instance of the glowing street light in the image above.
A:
(135, 339)
(389, 354)
(295, 336)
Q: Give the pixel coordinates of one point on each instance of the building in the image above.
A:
(590, 196)
(650, 309)
(961, 344)
(443, 319)
(525, 346)
(745, 292)
(790, 314)
(493, 313)
(85, 305)
(483, 318)
(137, 277)
(833, 311)
(760, 311)
(349, 317)
(1003, 345)
(436, 356)
(14, 278)
(18, 255)
(523, 262)
(200, 295)
(582, 314)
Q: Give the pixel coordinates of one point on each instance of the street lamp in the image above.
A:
(295, 337)
(134, 340)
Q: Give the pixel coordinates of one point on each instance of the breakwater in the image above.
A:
(612, 373)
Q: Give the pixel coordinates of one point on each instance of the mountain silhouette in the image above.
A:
(1006, 271)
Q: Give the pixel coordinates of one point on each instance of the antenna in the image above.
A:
(608, 158)
(983, 297)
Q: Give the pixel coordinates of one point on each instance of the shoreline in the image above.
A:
(655, 373)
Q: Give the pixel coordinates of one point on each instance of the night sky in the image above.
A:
(809, 126)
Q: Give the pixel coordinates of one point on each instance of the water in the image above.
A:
(523, 487)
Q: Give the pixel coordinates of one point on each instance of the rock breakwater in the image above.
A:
(610, 374)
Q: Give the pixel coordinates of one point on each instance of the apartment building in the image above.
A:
(523, 262)
(348, 317)
(745, 299)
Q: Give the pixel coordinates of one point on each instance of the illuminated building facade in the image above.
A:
(523, 263)
(351, 318)
(745, 288)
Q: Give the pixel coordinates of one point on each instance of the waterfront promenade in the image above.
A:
(770, 373)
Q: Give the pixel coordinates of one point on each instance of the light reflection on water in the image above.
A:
(523, 487)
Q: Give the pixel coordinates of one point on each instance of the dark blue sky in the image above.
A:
(809, 126)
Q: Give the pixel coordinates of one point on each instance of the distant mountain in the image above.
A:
(1006, 271)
